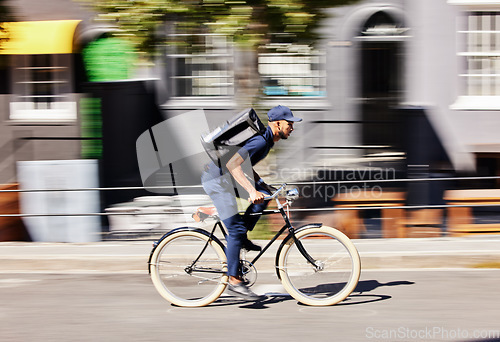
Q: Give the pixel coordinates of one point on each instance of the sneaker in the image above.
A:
(242, 291)
(250, 246)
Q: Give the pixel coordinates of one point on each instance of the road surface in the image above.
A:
(388, 305)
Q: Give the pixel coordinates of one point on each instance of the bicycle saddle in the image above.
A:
(202, 213)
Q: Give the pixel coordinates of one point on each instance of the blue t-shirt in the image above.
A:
(256, 148)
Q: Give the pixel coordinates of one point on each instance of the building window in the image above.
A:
(292, 70)
(201, 65)
(41, 88)
(482, 55)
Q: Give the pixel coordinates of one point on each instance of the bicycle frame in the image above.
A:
(291, 233)
(288, 226)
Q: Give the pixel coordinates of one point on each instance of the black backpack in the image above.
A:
(225, 140)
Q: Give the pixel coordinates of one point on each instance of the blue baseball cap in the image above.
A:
(281, 113)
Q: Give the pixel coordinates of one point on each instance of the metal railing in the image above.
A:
(332, 208)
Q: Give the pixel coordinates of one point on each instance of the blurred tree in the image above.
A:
(250, 22)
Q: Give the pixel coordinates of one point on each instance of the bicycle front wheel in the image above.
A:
(335, 273)
(189, 269)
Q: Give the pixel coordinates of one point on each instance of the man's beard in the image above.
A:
(283, 135)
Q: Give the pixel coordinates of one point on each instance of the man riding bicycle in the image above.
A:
(218, 184)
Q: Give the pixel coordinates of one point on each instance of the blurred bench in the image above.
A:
(461, 219)
(11, 228)
(350, 222)
(421, 223)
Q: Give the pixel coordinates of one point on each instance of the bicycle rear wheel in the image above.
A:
(181, 280)
(337, 272)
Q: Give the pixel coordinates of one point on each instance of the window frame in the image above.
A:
(173, 57)
(28, 81)
(470, 100)
(315, 75)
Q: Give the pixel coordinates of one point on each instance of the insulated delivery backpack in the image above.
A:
(231, 135)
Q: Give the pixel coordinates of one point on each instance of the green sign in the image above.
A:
(108, 59)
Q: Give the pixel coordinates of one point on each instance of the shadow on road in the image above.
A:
(370, 285)
(270, 298)
(366, 286)
(360, 295)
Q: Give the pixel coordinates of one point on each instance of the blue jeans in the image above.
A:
(221, 191)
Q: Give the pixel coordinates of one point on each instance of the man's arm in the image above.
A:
(258, 180)
(234, 167)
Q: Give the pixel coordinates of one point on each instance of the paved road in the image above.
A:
(388, 305)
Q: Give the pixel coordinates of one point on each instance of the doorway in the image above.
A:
(381, 51)
(381, 92)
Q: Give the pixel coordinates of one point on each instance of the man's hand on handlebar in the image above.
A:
(257, 197)
(275, 193)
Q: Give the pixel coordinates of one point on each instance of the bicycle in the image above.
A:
(317, 265)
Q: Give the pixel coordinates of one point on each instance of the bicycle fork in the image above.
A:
(291, 232)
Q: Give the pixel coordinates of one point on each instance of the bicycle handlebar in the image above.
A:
(276, 193)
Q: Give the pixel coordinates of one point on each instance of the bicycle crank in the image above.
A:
(249, 272)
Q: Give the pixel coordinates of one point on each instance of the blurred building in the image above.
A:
(389, 84)
(62, 95)
(41, 82)
(387, 79)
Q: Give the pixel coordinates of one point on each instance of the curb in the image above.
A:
(132, 257)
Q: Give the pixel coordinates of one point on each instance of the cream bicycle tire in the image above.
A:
(341, 263)
(169, 261)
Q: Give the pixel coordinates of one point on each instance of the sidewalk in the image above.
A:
(132, 256)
